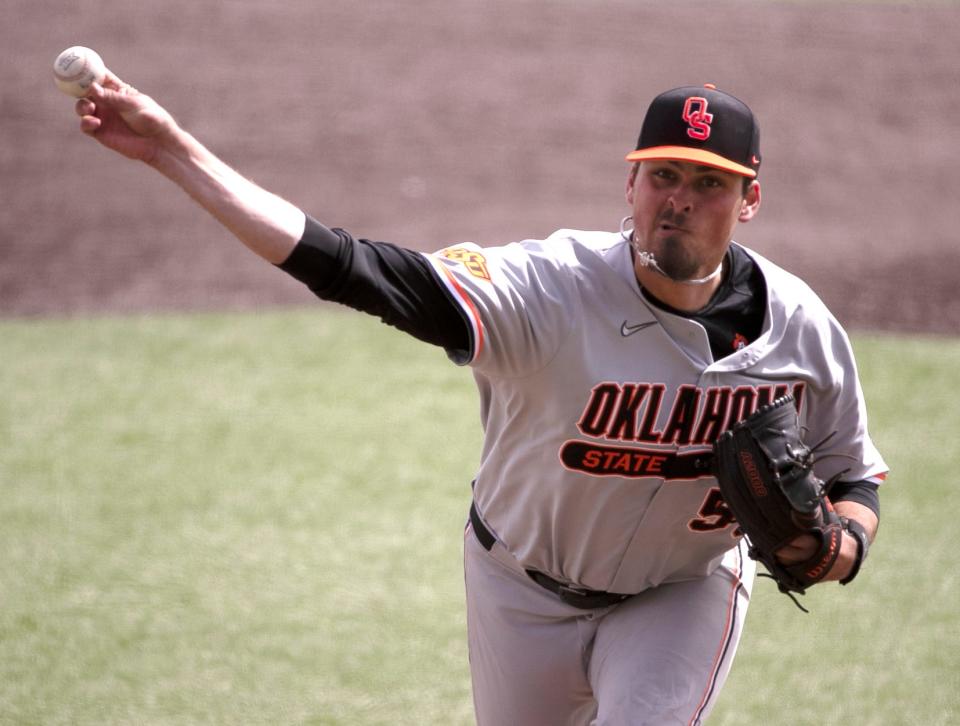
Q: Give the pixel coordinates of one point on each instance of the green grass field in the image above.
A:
(256, 519)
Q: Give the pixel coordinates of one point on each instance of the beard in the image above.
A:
(675, 259)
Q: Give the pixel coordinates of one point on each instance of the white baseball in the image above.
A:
(76, 68)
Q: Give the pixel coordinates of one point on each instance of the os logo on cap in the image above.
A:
(695, 114)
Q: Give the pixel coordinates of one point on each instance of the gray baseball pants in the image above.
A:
(658, 658)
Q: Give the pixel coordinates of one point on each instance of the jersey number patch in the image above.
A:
(714, 514)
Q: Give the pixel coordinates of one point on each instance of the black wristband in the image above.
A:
(863, 546)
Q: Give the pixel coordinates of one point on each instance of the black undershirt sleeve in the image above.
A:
(861, 492)
(397, 285)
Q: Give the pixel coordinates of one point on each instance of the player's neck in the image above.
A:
(687, 298)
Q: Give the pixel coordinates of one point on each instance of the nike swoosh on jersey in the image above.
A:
(627, 330)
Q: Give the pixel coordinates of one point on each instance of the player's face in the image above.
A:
(685, 214)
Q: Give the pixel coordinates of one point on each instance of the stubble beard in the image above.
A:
(673, 256)
(675, 260)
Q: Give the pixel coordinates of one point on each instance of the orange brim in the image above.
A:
(697, 156)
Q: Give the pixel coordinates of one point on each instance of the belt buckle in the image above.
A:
(570, 590)
(586, 599)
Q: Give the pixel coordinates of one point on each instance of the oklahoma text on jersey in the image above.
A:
(629, 412)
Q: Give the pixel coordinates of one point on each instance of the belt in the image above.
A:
(578, 597)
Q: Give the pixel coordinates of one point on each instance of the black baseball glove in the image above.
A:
(765, 472)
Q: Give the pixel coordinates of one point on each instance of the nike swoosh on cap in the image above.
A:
(626, 330)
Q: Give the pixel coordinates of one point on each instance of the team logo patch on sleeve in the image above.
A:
(475, 262)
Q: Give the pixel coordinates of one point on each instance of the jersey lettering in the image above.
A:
(679, 429)
(695, 114)
(648, 429)
(742, 403)
(625, 418)
(630, 411)
(603, 401)
(630, 462)
(713, 415)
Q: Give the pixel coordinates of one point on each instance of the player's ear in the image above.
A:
(751, 202)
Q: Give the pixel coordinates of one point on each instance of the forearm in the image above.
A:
(806, 546)
(864, 515)
(848, 545)
(134, 125)
(267, 224)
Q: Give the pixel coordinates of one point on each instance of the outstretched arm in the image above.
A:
(394, 284)
(134, 125)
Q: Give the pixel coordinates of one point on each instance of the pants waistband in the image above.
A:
(577, 597)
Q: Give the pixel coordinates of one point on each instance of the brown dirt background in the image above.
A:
(430, 122)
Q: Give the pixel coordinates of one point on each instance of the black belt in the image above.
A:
(578, 597)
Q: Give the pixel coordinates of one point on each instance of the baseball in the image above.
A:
(76, 68)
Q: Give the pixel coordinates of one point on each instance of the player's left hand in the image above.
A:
(805, 546)
(798, 550)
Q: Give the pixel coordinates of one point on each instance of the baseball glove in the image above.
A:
(765, 472)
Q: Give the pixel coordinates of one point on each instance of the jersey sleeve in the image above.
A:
(520, 301)
(836, 413)
(804, 342)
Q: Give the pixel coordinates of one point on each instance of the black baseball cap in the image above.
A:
(702, 125)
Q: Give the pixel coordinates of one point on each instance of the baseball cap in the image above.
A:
(701, 125)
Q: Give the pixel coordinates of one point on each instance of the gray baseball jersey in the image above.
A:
(599, 408)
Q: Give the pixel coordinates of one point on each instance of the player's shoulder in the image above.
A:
(577, 248)
(597, 241)
(790, 298)
(782, 284)
(568, 244)
(563, 248)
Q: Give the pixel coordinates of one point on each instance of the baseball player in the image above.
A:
(606, 579)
